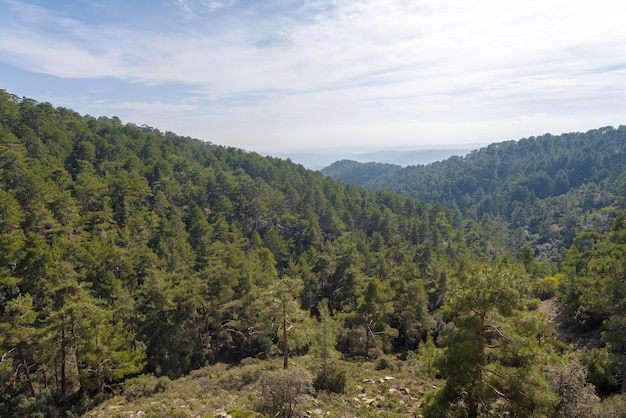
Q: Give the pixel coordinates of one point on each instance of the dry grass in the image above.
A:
(221, 390)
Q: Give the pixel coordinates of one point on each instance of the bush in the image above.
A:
(604, 369)
(145, 385)
(577, 397)
(331, 379)
(250, 375)
(546, 287)
(532, 304)
(283, 392)
(240, 413)
(613, 407)
(383, 363)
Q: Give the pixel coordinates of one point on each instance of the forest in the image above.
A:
(541, 191)
(127, 253)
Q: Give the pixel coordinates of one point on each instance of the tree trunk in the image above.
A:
(367, 342)
(63, 377)
(25, 365)
(285, 345)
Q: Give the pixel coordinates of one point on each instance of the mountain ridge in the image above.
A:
(317, 160)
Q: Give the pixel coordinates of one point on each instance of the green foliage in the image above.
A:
(325, 340)
(330, 378)
(283, 392)
(429, 356)
(536, 193)
(604, 369)
(594, 296)
(492, 359)
(613, 407)
(125, 251)
(546, 288)
(358, 173)
(577, 398)
(144, 386)
(238, 413)
(383, 363)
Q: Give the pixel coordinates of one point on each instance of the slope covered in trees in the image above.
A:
(547, 188)
(353, 172)
(126, 251)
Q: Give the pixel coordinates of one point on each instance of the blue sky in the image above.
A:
(313, 75)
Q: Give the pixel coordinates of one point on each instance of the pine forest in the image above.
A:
(147, 274)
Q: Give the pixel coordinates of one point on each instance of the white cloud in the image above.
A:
(185, 8)
(152, 107)
(368, 69)
(213, 6)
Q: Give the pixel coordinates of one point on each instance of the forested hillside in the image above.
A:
(127, 253)
(353, 172)
(547, 189)
(127, 250)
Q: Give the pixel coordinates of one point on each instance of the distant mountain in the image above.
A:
(403, 158)
(354, 172)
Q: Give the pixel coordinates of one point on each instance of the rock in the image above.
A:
(389, 377)
(220, 413)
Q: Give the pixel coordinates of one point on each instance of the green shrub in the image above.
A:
(250, 375)
(283, 392)
(249, 361)
(240, 413)
(384, 363)
(613, 407)
(603, 369)
(532, 304)
(546, 287)
(331, 378)
(145, 385)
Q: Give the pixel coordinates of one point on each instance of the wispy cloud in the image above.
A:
(152, 106)
(408, 64)
(379, 42)
(212, 6)
(185, 8)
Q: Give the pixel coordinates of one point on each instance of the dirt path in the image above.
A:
(552, 310)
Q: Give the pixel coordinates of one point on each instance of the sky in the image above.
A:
(320, 75)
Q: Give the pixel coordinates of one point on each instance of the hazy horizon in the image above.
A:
(318, 159)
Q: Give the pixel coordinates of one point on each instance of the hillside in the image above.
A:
(547, 188)
(361, 174)
(127, 250)
(137, 265)
(223, 390)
